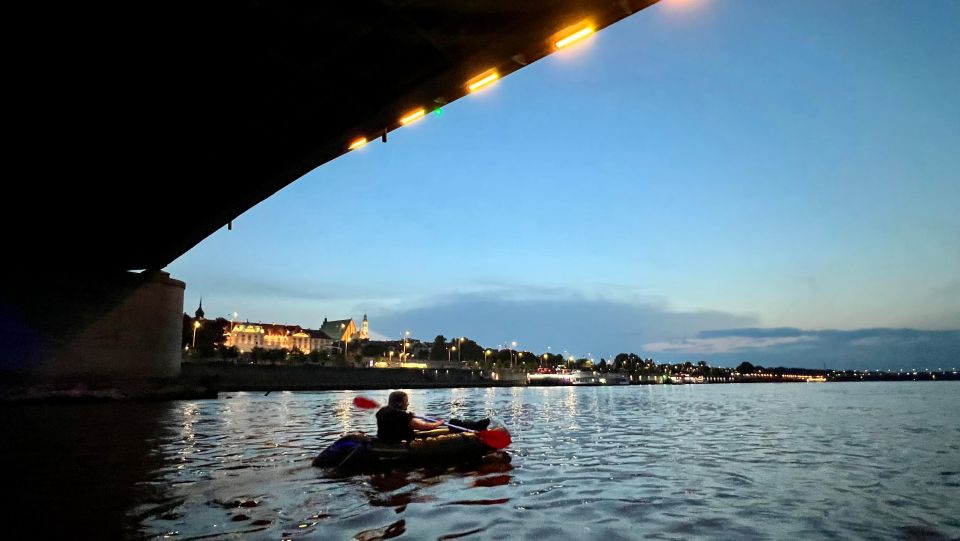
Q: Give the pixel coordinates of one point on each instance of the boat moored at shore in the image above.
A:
(564, 377)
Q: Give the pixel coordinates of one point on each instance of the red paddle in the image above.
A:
(365, 403)
(497, 438)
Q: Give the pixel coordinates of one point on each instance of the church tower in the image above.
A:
(199, 312)
(365, 329)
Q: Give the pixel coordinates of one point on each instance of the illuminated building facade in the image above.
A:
(246, 336)
(330, 336)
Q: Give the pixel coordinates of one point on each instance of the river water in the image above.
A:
(737, 461)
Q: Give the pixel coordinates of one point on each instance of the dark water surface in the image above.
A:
(749, 461)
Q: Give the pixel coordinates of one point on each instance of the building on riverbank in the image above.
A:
(332, 335)
(247, 336)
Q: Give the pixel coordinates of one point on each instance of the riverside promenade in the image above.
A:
(206, 379)
(226, 376)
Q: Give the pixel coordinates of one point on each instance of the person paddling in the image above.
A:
(395, 423)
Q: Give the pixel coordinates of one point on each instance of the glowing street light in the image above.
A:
(196, 325)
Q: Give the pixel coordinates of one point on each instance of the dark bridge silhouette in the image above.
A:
(140, 129)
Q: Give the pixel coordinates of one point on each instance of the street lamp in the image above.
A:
(196, 325)
(404, 340)
(485, 355)
(459, 360)
(454, 348)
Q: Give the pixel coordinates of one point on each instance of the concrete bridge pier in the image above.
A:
(139, 338)
(98, 329)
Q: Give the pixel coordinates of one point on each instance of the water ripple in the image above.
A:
(713, 461)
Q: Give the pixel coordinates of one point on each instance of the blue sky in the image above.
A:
(702, 167)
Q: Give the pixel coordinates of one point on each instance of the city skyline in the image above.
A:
(676, 181)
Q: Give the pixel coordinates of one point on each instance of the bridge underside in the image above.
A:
(140, 129)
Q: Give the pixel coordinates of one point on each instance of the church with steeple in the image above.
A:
(339, 329)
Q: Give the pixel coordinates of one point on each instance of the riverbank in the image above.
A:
(199, 380)
(226, 376)
(206, 379)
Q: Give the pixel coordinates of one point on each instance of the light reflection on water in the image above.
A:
(752, 461)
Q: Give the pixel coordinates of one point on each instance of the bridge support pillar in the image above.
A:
(138, 338)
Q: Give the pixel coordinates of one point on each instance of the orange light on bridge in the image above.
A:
(483, 80)
(357, 143)
(578, 32)
(413, 117)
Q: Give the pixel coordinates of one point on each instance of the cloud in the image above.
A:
(537, 318)
(605, 326)
(942, 307)
(770, 332)
(257, 290)
(374, 335)
(240, 288)
(724, 344)
(863, 349)
(617, 320)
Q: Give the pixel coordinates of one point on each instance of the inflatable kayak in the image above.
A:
(358, 450)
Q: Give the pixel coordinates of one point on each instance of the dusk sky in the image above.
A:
(777, 182)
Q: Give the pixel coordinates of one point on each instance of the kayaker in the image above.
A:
(395, 423)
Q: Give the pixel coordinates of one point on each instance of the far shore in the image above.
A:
(208, 378)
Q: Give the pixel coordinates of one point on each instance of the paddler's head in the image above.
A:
(398, 400)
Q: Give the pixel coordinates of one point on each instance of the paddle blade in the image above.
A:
(497, 438)
(365, 403)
